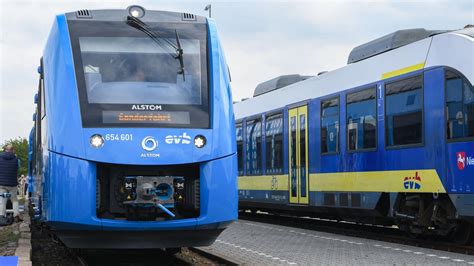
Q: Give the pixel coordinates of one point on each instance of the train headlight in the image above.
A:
(199, 141)
(97, 141)
(136, 11)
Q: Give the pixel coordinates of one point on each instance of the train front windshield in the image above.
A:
(127, 79)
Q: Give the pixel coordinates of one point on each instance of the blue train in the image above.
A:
(386, 139)
(133, 143)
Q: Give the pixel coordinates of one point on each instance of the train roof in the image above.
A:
(402, 59)
(148, 16)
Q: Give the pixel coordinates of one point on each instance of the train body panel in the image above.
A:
(215, 207)
(388, 139)
(134, 169)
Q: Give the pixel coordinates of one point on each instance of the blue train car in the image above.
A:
(134, 133)
(387, 139)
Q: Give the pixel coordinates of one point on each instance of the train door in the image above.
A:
(298, 154)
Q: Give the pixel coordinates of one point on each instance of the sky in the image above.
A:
(261, 39)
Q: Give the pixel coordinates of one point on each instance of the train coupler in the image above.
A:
(162, 192)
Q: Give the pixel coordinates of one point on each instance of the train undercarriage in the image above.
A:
(431, 214)
(417, 214)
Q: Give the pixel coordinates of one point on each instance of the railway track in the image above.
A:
(187, 256)
(48, 250)
(375, 232)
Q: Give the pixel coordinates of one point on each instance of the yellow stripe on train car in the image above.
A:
(402, 71)
(378, 181)
(266, 182)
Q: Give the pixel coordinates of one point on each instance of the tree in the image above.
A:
(21, 148)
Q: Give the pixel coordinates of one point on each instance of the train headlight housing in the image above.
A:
(199, 141)
(136, 11)
(97, 141)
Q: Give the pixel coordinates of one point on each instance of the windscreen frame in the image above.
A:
(91, 113)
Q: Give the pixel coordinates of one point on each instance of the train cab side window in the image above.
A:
(459, 107)
(274, 144)
(254, 147)
(361, 120)
(240, 149)
(404, 112)
(330, 125)
(39, 127)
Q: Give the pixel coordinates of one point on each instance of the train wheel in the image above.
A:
(405, 227)
(463, 233)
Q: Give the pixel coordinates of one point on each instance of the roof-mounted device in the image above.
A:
(389, 42)
(277, 83)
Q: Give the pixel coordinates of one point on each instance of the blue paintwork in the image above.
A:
(435, 152)
(9, 260)
(67, 189)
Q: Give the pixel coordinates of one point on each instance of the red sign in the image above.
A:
(461, 160)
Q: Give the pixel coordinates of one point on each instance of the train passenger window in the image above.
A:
(459, 107)
(302, 118)
(254, 147)
(330, 126)
(274, 144)
(361, 120)
(403, 113)
(240, 149)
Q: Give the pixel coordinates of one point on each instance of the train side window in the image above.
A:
(361, 120)
(240, 149)
(274, 144)
(459, 107)
(330, 125)
(404, 112)
(254, 147)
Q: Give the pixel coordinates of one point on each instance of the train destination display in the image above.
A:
(170, 117)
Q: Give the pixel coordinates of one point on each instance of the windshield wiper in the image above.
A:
(179, 56)
(158, 38)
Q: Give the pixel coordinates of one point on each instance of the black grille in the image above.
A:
(343, 199)
(189, 17)
(197, 194)
(84, 13)
(110, 196)
(329, 199)
(355, 199)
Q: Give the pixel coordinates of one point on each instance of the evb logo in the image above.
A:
(412, 182)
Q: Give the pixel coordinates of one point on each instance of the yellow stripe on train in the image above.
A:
(266, 182)
(402, 71)
(378, 181)
(426, 181)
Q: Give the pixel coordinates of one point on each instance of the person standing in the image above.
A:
(9, 165)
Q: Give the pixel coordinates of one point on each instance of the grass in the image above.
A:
(7, 235)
